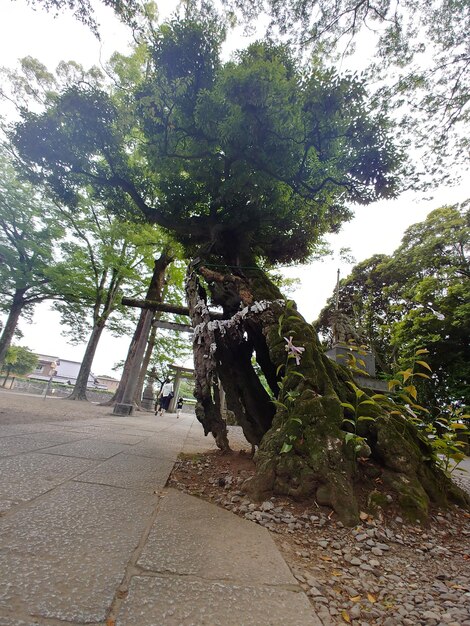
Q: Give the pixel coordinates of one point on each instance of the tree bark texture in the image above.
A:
(296, 419)
(12, 322)
(206, 384)
(145, 363)
(79, 390)
(126, 390)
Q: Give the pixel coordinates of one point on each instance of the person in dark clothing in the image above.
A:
(165, 397)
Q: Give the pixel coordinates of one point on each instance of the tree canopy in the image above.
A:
(417, 298)
(101, 257)
(418, 57)
(29, 232)
(258, 152)
(19, 360)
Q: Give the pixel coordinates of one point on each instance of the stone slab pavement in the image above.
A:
(89, 534)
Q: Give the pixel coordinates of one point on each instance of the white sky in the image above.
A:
(377, 228)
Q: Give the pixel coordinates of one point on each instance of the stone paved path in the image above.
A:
(90, 535)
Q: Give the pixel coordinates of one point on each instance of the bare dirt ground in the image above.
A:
(16, 408)
(385, 571)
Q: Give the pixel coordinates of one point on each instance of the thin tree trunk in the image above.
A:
(11, 323)
(79, 390)
(7, 375)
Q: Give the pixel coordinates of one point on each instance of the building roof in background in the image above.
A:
(47, 357)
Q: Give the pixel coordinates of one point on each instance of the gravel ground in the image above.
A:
(383, 572)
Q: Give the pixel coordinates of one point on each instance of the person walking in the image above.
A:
(165, 397)
(179, 406)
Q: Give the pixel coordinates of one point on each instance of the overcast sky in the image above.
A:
(377, 228)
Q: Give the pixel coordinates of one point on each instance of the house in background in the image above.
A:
(46, 367)
(110, 382)
(65, 371)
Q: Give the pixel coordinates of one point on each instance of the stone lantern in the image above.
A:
(148, 397)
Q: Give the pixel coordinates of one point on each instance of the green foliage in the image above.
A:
(353, 360)
(417, 296)
(102, 257)
(444, 432)
(170, 348)
(354, 415)
(419, 68)
(447, 435)
(432, 270)
(287, 396)
(254, 157)
(19, 360)
(29, 233)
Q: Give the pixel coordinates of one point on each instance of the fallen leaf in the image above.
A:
(336, 572)
(371, 598)
(110, 621)
(355, 598)
(363, 515)
(345, 616)
(326, 558)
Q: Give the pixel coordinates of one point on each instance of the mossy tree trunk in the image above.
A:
(306, 417)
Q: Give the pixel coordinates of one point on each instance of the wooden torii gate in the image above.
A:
(125, 406)
(180, 372)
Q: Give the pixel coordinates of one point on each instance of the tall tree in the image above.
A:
(432, 270)
(102, 256)
(419, 55)
(162, 348)
(244, 162)
(29, 232)
(418, 63)
(417, 298)
(125, 396)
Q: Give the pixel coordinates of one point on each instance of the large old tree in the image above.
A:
(247, 164)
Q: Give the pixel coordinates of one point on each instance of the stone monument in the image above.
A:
(148, 397)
